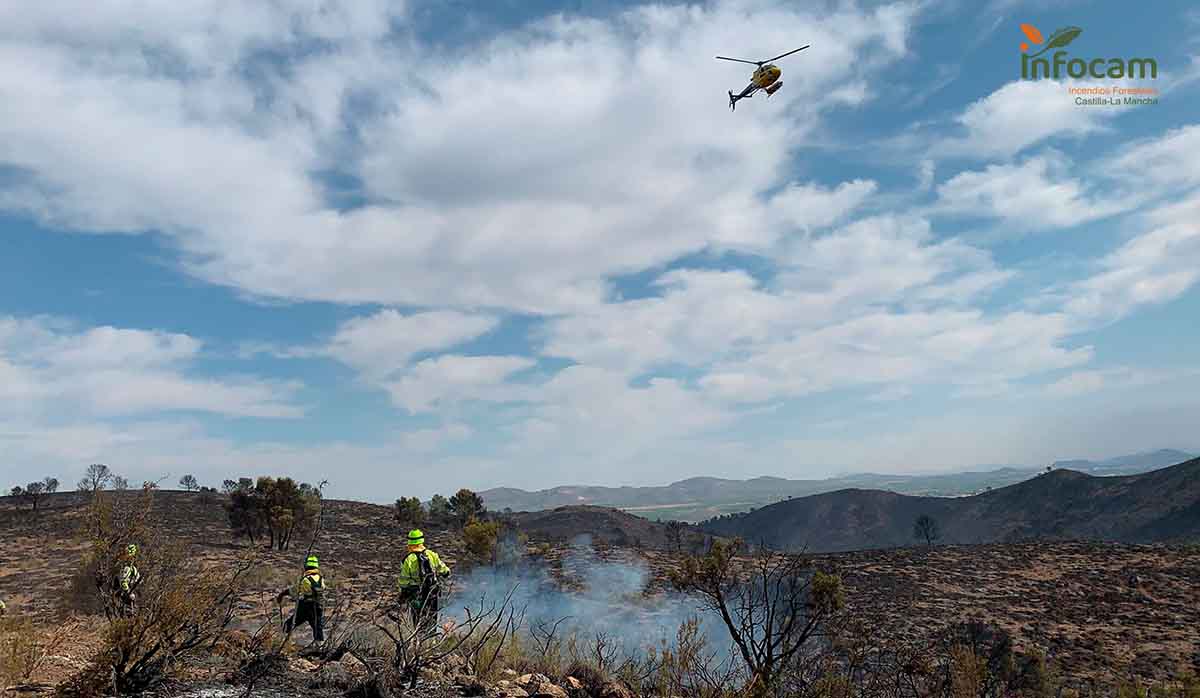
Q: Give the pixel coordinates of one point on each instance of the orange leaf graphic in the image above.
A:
(1032, 32)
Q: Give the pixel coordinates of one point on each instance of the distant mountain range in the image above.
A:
(700, 498)
(1158, 506)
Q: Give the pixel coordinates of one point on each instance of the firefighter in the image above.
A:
(128, 581)
(307, 592)
(421, 577)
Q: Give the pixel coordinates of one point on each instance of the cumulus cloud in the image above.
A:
(323, 152)
(1154, 267)
(1077, 383)
(810, 207)
(1163, 161)
(381, 344)
(450, 379)
(1161, 261)
(1021, 114)
(48, 366)
(1034, 195)
(829, 320)
(957, 347)
(500, 202)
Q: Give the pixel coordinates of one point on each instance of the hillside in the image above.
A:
(1070, 599)
(361, 541)
(600, 525)
(1159, 506)
(701, 498)
(1128, 465)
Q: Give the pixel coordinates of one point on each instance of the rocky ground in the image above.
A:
(1075, 601)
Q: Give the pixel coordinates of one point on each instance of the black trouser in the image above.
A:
(307, 611)
(128, 604)
(424, 609)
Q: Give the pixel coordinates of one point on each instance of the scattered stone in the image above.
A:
(528, 681)
(613, 689)
(549, 690)
(573, 684)
(332, 675)
(301, 664)
(513, 692)
(471, 686)
(454, 663)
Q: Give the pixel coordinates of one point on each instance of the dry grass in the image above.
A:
(1068, 600)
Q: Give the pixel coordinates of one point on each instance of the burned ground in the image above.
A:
(1072, 600)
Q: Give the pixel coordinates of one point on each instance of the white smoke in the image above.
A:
(594, 595)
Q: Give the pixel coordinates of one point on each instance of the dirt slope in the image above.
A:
(1069, 599)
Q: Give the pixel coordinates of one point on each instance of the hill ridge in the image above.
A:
(702, 497)
(1158, 506)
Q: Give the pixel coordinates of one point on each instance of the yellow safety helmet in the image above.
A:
(310, 562)
(416, 537)
(131, 550)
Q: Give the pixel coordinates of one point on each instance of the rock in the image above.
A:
(573, 684)
(509, 673)
(528, 681)
(471, 686)
(613, 689)
(513, 692)
(433, 674)
(549, 690)
(301, 664)
(454, 663)
(332, 676)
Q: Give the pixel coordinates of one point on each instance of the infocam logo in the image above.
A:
(1060, 62)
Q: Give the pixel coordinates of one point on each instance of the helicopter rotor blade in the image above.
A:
(772, 60)
(739, 60)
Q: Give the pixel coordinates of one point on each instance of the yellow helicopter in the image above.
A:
(765, 77)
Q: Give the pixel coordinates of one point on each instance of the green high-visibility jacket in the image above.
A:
(410, 570)
(310, 585)
(129, 578)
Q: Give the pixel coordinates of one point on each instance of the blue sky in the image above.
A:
(408, 247)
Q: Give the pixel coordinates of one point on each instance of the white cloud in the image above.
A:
(925, 174)
(1089, 381)
(50, 367)
(1077, 383)
(1168, 160)
(811, 207)
(947, 346)
(1036, 194)
(523, 174)
(443, 381)
(875, 260)
(431, 440)
(505, 200)
(592, 421)
(1154, 267)
(701, 314)
(381, 344)
(830, 320)
(1021, 114)
(382, 347)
